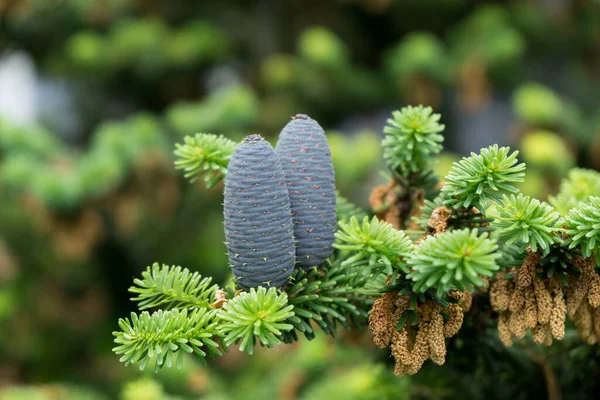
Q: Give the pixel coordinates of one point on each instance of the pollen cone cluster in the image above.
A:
(528, 302)
(583, 300)
(412, 345)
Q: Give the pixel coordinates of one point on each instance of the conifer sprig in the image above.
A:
(204, 155)
(583, 226)
(172, 287)
(257, 314)
(453, 260)
(166, 336)
(412, 139)
(374, 243)
(524, 221)
(475, 180)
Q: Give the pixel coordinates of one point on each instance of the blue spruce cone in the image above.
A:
(258, 219)
(306, 161)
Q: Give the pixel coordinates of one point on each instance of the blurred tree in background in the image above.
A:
(94, 94)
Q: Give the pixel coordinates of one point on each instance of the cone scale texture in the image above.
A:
(306, 161)
(257, 214)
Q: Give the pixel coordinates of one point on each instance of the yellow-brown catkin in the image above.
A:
(539, 334)
(381, 319)
(437, 342)
(526, 272)
(516, 323)
(400, 351)
(576, 292)
(583, 322)
(465, 299)
(558, 314)
(400, 369)
(543, 301)
(457, 295)
(504, 331)
(413, 344)
(594, 290)
(500, 294)
(467, 302)
(531, 317)
(455, 320)
(517, 300)
(420, 350)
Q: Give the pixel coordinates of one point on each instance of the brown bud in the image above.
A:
(220, 299)
(439, 219)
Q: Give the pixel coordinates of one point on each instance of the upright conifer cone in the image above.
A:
(258, 218)
(306, 161)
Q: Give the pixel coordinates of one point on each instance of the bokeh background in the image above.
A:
(94, 94)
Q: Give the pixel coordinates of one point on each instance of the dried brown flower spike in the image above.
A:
(529, 302)
(413, 344)
(583, 300)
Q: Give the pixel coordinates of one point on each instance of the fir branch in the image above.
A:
(524, 221)
(204, 155)
(453, 260)
(412, 138)
(583, 226)
(258, 314)
(174, 287)
(326, 298)
(374, 243)
(474, 180)
(164, 334)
